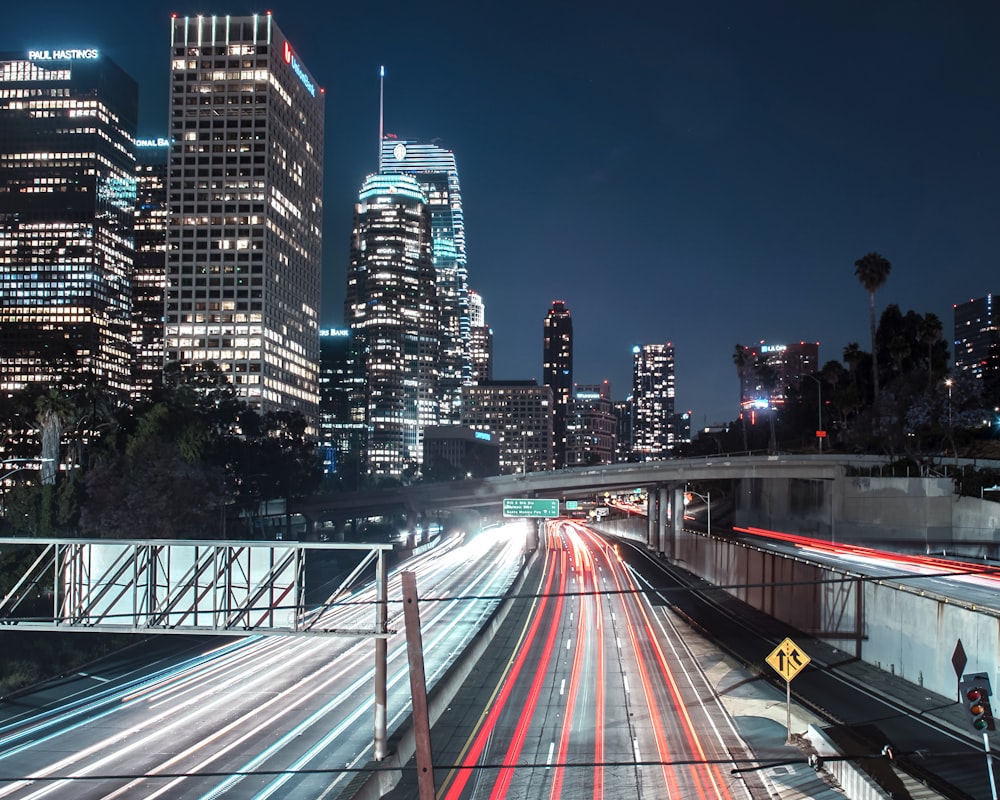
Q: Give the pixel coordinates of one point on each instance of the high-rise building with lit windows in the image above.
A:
(150, 276)
(977, 336)
(391, 309)
(245, 209)
(557, 372)
(481, 344)
(653, 420)
(436, 171)
(518, 416)
(67, 202)
(592, 429)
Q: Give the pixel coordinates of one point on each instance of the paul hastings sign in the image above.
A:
(63, 55)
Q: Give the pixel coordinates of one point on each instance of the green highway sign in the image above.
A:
(572, 505)
(530, 507)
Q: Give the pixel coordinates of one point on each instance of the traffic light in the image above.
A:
(975, 689)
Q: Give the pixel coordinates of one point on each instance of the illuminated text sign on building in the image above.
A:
(334, 332)
(159, 141)
(774, 348)
(63, 55)
(293, 62)
(484, 436)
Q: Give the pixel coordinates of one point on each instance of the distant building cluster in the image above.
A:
(122, 256)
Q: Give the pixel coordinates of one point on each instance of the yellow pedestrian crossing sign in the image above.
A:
(788, 659)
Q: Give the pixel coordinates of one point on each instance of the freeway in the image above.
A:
(975, 582)
(602, 698)
(256, 717)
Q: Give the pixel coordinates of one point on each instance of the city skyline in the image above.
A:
(703, 177)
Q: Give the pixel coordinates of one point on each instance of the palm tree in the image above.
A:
(740, 360)
(54, 409)
(873, 271)
(930, 333)
(853, 357)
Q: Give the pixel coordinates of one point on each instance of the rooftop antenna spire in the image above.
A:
(381, 106)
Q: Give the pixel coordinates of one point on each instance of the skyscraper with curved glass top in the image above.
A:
(436, 171)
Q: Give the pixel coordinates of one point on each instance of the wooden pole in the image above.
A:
(418, 688)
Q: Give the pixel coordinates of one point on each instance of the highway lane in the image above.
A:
(601, 698)
(977, 583)
(257, 717)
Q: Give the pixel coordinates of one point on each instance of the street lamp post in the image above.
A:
(707, 497)
(819, 410)
(949, 383)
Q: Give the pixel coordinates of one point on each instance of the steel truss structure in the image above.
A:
(192, 586)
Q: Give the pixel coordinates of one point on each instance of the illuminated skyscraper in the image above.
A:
(437, 173)
(518, 415)
(67, 202)
(391, 308)
(653, 435)
(340, 435)
(150, 278)
(592, 428)
(245, 209)
(557, 372)
(977, 336)
(481, 346)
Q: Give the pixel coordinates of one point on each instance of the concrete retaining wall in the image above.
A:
(906, 631)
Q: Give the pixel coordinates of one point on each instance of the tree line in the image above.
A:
(897, 398)
(192, 461)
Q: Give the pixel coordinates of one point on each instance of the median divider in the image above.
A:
(380, 777)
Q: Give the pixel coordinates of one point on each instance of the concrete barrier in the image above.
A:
(380, 777)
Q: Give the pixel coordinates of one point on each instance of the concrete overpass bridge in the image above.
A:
(488, 494)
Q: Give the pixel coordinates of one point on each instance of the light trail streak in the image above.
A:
(456, 781)
(506, 773)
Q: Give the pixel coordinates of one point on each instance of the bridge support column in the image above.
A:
(652, 500)
(663, 518)
(677, 518)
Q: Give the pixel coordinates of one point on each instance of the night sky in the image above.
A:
(704, 174)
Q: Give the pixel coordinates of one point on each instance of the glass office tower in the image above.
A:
(149, 279)
(245, 210)
(67, 201)
(391, 308)
(653, 419)
(557, 373)
(436, 171)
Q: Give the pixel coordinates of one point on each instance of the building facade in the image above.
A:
(245, 209)
(557, 372)
(454, 452)
(340, 434)
(67, 204)
(481, 342)
(977, 336)
(653, 433)
(592, 429)
(518, 414)
(768, 371)
(436, 171)
(391, 308)
(149, 279)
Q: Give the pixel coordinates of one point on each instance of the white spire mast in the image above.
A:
(381, 106)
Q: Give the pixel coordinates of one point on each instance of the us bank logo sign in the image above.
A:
(293, 62)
